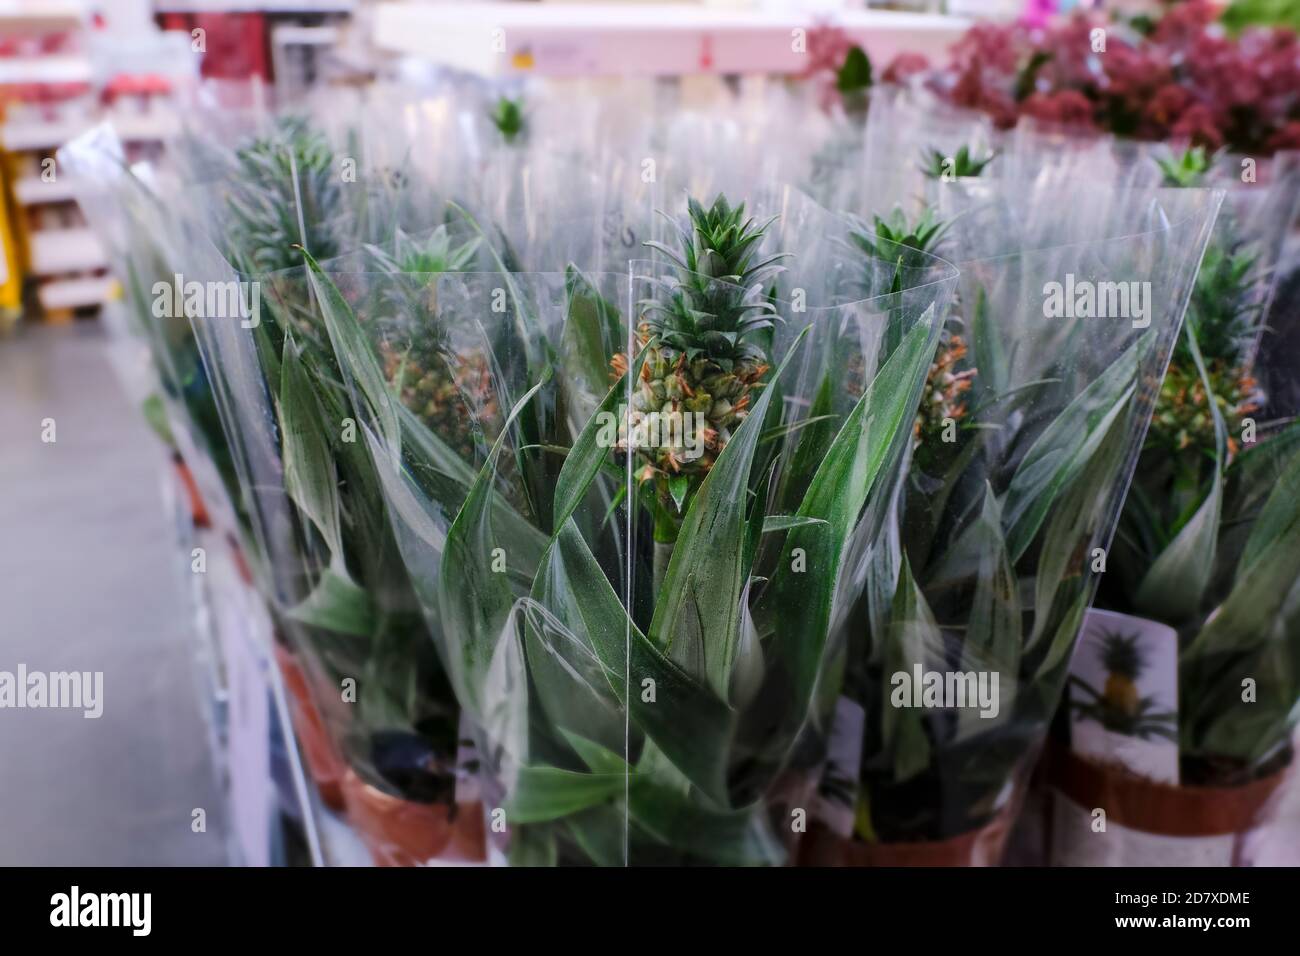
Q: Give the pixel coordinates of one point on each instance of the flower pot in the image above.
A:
(324, 763)
(982, 847)
(405, 833)
(198, 511)
(1157, 824)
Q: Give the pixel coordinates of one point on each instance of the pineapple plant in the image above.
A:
(961, 165)
(881, 238)
(708, 338)
(1223, 315)
(945, 385)
(289, 194)
(1212, 508)
(508, 117)
(1122, 658)
(449, 391)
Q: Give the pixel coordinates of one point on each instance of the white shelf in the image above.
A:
(75, 293)
(39, 16)
(29, 134)
(255, 6)
(33, 191)
(58, 251)
(607, 39)
(53, 68)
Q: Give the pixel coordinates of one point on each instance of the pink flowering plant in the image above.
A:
(1181, 77)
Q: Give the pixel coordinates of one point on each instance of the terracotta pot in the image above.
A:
(198, 511)
(982, 847)
(1161, 808)
(324, 763)
(404, 833)
(241, 562)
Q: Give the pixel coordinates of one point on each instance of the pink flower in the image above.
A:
(905, 66)
(1163, 109)
(1288, 137)
(1068, 107)
(1199, 126)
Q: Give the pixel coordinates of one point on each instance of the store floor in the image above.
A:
(88, 582)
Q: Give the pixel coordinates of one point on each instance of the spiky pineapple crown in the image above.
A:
(1223, 316)
(882, 238)
(280, 175)
(1186, 170)
(411, 268)
(436, 253)
(717, 304)
(962, 165)
(508, 118)
(1120, 654)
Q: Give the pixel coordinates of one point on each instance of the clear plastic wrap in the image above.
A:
(1183, 704)
(992, 545)
(127, 211)
(558, 523)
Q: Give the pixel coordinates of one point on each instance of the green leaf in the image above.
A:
(1074, 523)
(994, 624)
(990, 355)
(310, 478)
(854, 75)
(1064, 448)
(912, 638)
(690, 724)
(677, 487)
(476, 599)
(740, 837)
(591, 330)
(697, 617)
(796, 607)
(774, 523)
(819, 430)
(1277, 520)
(155, 414)
(355, 356)
(1173, 588)
(541, 794)
(592, 448)
(337, 604)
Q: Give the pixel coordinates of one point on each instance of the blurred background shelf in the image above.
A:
(58, 251)
(255, 6)
(77, 293)
(32, 191)
(38, 16)
(605, 39)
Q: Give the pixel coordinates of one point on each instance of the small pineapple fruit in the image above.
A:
(448, 389)
(1122, 658)
(944, 387)
(706, 359)
(454, 398)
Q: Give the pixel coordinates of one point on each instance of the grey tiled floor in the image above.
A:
(88, 582)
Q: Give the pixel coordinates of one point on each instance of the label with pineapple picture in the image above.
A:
(1123, 695)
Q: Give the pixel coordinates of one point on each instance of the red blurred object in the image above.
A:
(324, 763)
(905, 66)
(236, 44)
(404, 833)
